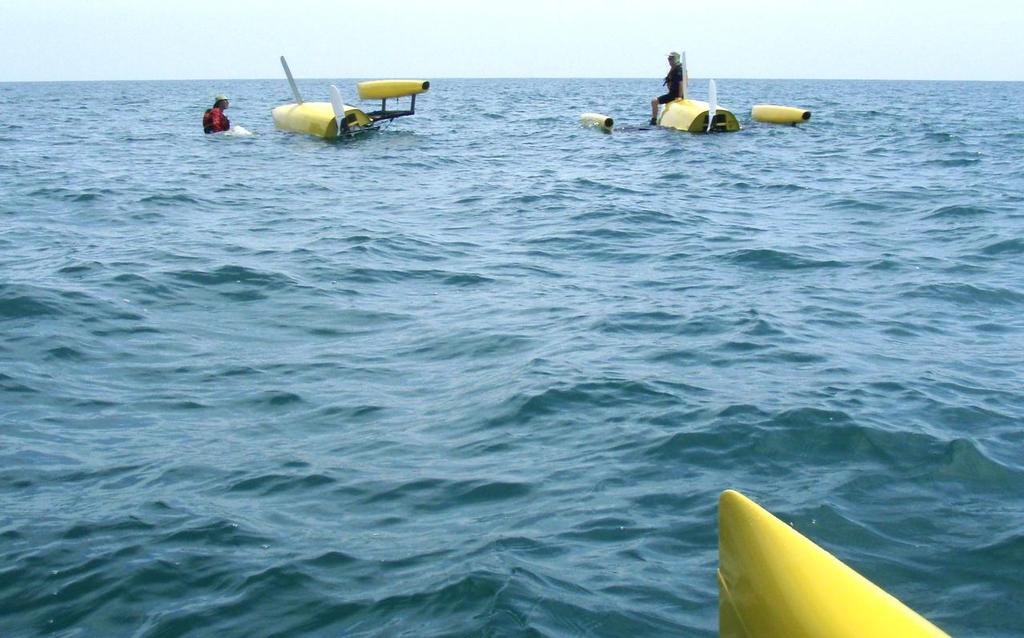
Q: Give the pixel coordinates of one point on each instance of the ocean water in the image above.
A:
(485, 373)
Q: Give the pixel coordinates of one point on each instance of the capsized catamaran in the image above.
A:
(334, 119)
(682, 114)
(695, 116)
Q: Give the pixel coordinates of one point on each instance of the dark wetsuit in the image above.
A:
(214, 121)
(672, 81)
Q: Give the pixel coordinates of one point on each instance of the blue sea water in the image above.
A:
(485, 373)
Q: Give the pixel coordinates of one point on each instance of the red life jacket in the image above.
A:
(214, 121)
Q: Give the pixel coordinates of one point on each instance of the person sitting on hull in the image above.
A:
(214, 120)
(674, 82)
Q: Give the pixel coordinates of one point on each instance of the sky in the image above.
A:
(43, 40)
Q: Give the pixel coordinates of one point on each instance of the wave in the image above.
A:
(213, 533)
(808, 437)
(1006, 247)
(964, 462)
(237, 283)
(169, 199)
(967, 294)
(589, 184)
(433, 495)
(853, 204)
(575, 399)
(276, 399)
(270, 484)
(958, 211)
(23, 306)
(770, 259)
(378, 275)
(11, 385)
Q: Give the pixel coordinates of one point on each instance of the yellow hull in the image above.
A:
(774, 114)
(596, 120)
(773, 582)
(316, 118)
(692, 116)
(386, 89)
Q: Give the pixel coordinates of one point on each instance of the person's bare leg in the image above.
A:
(654, 111)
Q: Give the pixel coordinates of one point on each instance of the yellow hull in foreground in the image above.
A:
(774, 583)
(316, 118)
(692, 116)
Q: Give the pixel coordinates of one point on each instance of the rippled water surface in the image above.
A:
(485, 373)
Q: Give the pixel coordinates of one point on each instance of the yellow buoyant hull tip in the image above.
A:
(386, 89)
(775, 582)
(597, 120)
(775, 114)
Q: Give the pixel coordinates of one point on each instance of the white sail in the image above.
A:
(291, 81)
(686, 76)
(712, 103)
(339, 108)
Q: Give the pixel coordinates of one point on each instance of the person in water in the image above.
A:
(214, 120)
(674, 82)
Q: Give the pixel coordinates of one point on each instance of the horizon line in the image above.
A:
(510, 77)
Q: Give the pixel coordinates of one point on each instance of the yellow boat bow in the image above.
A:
(775, 583)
